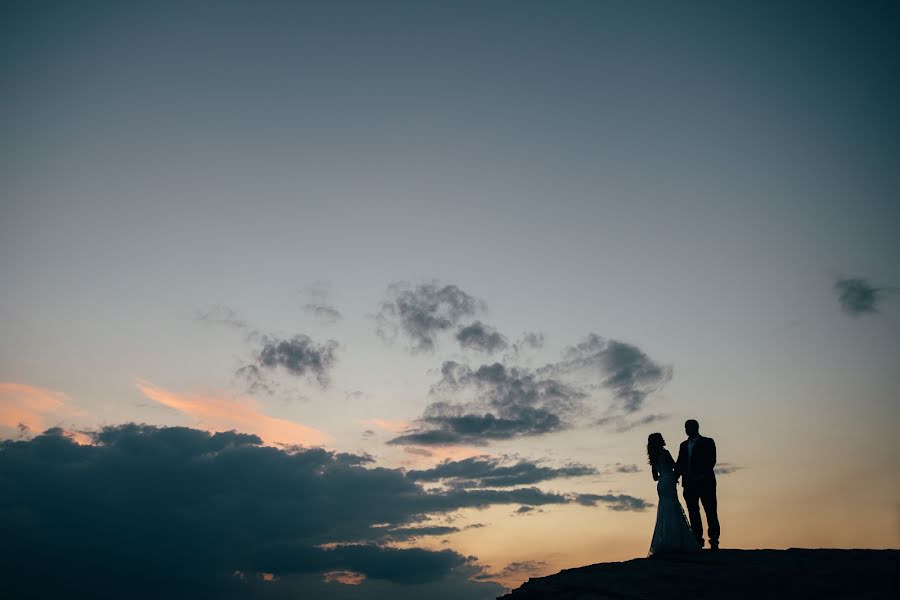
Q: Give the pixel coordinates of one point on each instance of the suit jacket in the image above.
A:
(699, 468)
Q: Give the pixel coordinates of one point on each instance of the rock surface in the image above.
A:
(731, 574)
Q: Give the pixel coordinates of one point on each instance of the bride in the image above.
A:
(672, 533)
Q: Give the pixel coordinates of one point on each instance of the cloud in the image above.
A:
(242, 413)
(617, 502)
(324, 312)
(726, 468)
(221, 315)
(620, 424)
(487, 471)
(149, 512)
(858, 296)
(620, 468)
(515, 572)
(509, 402)
(480, 337)
(421, 313)
(25, 408)
(497, 401)
(624, 368)
(409, 533)
(299, 355)
(345, 577)
(318, 303)
(529, 339)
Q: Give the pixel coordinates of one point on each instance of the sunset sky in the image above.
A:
(450, 263)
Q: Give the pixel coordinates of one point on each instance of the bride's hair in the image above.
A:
(655, 445)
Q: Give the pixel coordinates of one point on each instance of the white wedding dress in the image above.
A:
(672, 533)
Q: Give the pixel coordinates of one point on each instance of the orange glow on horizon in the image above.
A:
(241, 413)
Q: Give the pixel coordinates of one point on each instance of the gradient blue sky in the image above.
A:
(690, 178)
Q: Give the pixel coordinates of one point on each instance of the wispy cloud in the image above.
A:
(726, 468)
(318, 302)
(616, 502)
(220, 314)
(624, 368)
(489, 471)
(621, 424)
(216, 413)
(509, 402)
(515, 572)
(622, 468)
(34, 408)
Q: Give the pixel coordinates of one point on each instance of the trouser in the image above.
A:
(693, 496)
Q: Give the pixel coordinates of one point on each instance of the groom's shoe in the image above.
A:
(714, 545)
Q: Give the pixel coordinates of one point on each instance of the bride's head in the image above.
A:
(655, 444)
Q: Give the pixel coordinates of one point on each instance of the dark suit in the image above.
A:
(699, 481)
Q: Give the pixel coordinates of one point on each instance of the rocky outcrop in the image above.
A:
(728, 574)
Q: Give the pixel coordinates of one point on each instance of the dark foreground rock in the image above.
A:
(728, 574)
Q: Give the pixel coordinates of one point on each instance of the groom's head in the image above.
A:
(691, 427)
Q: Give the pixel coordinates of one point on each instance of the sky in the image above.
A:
(382, 300)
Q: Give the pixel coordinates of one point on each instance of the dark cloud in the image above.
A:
(486, 471)
(524, 510)
(448, 429)
(409, 533)
(858, 296)
(404, 566)
(624, 368)
(149, 512)
(298, 356)
(480, 337)
(498, 402)
(620, 468)
(516, 572)
(509, 402)
(617, 502)
(726, 468)
(421, 313)
(519, 568)
(621, 424)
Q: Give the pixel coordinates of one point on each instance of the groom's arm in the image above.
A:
(679, 463)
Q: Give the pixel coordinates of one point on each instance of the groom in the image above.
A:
(696, 459)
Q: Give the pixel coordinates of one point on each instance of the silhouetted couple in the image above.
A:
(695, 468)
